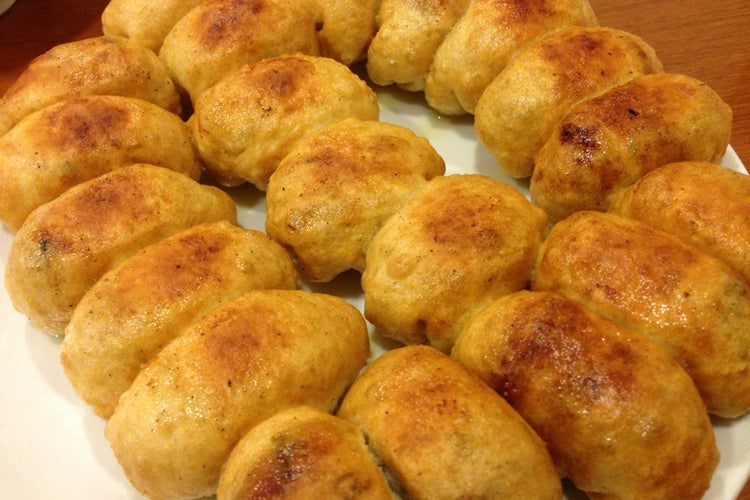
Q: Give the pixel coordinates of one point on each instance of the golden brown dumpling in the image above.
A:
(620, 416)
(608, 142)
(136, 309)
(442, 433)
(517, 112)
(247, 123)
(694, 305)
(92, 66)
(704, 204)
(302, 453)
(144, 21)
(480, 44)
(407, 37)
(67, 244)
(334, 190)
(259, 354)
(64, 144)
(458, 244)
(345, 27)
(218, 37)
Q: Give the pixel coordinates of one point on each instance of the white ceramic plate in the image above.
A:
(52, 445)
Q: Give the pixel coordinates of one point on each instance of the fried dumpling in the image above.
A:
(303, 453)
(480, 44)
(408, 34)
(443, 434)
(247, 360)
(606, 143)
(67, 244)
(92, 66)
(66, 143)
(138, 307)
(144, 21)
(694, 305)
(458, 244)
(702, 203)
(345, 27)
(330, 195)
(247, 123)
(518, 110)
(619, 415)
(218, 37)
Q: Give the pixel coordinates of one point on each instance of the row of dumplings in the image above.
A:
(586, 109)
(451, 50)
(518, 66)
(181, 352)
(460, 221)
(157, 290)
(216, 372)
(218, 363)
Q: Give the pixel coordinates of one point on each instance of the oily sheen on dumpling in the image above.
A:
(702, 203)
(67, 244)
(482, 41)
(331, 193)
(247, 123)
(137, 308)
(606, 143)
(458, 244)
(518, 110)
(218, 37)
(442, 433)
(620, 416)
(247, 360)
(694, 305)
(92, 66)
(302, 453)
(66, 143)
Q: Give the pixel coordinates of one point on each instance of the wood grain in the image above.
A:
(705, 39)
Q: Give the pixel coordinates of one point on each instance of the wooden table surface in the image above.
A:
(706, 39)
